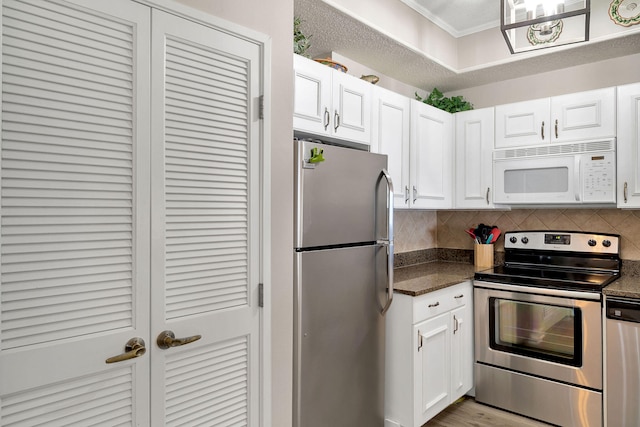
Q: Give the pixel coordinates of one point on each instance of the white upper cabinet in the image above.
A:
(577, 116)
(584, 115)
(390, 135)
(474, 136)
(329, 104)
(522, 123)
(431, 157)
(628, 144)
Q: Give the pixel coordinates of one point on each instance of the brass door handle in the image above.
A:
(134, 348)
(167, 339)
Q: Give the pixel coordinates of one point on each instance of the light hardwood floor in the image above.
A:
(466, 412)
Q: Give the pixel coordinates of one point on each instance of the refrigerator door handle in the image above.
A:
(389, 241)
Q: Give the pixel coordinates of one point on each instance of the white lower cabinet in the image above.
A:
(429, 354)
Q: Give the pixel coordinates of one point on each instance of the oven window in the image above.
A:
(541, 331)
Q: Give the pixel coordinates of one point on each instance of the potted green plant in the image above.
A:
(452, 105)
(301, 42)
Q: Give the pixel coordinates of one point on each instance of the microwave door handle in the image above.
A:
(577, 182)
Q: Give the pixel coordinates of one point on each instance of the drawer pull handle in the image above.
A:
(435, 304)
(459, 296)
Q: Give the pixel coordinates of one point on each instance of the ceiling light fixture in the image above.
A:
(535, 24)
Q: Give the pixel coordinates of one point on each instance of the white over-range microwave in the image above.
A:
(571, 173)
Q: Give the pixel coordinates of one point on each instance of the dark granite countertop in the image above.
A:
(628, 285)
(427, 277)
(625, 286)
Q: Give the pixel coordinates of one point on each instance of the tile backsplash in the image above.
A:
(415, 230)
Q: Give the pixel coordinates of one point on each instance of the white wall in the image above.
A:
(275, 19)
(589, 76)
(402, 23)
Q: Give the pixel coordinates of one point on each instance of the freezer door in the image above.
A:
(339, 337)
(341, 200)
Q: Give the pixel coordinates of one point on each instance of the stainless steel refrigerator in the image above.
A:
(343, 285)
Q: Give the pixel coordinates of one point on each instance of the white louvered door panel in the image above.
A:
(75, 203)
(205, 225)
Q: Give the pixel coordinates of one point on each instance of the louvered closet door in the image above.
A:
(75, 206)
(205, 225)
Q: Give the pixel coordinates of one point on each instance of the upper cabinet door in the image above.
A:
(431, 157)
(573, 117)
(330, 105)
(584, 115)
(351, 115)
(390, 136)
(473, 166)
(312, 96)
(522, 123)
(629, 146)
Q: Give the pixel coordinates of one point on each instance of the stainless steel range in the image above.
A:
(538, 321)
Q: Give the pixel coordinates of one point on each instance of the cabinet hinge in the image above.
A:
(261, 107)
(260, 295)
(419, 340)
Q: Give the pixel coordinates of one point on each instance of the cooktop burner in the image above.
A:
(548, 278)
(571, 260)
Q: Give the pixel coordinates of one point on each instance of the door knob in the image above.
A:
(168, 339)
(134, 348)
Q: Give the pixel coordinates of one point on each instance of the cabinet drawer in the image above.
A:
(462, 294)
(441, 301)
(432, 304)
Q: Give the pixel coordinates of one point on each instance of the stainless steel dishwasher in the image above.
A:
(622, 362)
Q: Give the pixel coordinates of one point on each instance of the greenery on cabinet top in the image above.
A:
(301, 42)
(451, 105)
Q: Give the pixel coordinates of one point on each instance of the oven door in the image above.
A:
(554, 337)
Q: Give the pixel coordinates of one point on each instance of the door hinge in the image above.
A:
(261, 107)
(260, 295)
(419, 340)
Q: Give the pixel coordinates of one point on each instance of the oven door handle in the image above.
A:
(591, 296)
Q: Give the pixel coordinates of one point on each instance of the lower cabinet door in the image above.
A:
(432, 367)
(461, 351)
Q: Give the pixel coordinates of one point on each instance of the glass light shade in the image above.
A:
(537, 24)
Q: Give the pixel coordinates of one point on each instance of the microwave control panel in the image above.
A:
(599, 177)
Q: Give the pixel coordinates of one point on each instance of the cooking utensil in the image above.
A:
(471, 233)
(495, 231)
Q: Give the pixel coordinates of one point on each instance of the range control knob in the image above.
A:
(591, 242)
(513, 239)
(525, 240)
(606, 243)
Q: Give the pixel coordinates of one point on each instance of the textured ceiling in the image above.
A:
(459, 17)
(334, 31)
